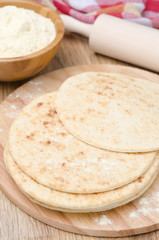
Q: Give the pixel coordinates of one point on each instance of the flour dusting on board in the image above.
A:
(13, 94)
(36, 83)
(1, 130)
(39, 89)
(103, 220)
(29, 96)
(133, 214)
(147, 205)
(13, 107)
(11, 114)
(16, 95)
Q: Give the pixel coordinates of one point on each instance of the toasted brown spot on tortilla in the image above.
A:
(39, 104)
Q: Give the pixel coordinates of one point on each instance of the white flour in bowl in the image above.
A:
(23, 31)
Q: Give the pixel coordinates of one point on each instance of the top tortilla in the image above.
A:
(44, 150)
(111, 111)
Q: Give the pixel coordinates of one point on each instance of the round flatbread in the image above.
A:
(111, 111)
(45, 151)
(79, 202)
(109, 207)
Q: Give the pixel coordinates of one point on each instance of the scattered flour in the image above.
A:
(133, 214)
(29, 96)
(36, 83)
(39, 89)
(49, 168)
(147, 205)
(16, 95)
(49, 161)
(103, 220)
(52, 138)
(1, 130)
(144, 201)
(49, 164)
(13, 107)
(75, 164)
(11, 114)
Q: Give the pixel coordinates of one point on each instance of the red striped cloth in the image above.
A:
(152, 12)
(141, 11)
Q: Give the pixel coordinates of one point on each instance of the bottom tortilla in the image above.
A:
(82, 203)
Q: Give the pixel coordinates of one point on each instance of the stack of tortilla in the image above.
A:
(91, 146)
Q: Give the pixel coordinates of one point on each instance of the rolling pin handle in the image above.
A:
(73, 25)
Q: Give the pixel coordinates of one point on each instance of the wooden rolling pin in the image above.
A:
(120, 39)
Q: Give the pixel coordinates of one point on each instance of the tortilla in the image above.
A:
(45, 151)
(79, 202)
(111, 111)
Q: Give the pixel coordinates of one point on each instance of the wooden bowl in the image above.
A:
(17, 68)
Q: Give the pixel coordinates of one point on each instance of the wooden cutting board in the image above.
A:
(139, 216)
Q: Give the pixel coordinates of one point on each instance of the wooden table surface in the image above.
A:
(15, 224)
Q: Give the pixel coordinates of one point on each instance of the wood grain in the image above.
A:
(74, 51)
(13, 69)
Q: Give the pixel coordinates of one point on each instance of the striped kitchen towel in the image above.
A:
(141, 11)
